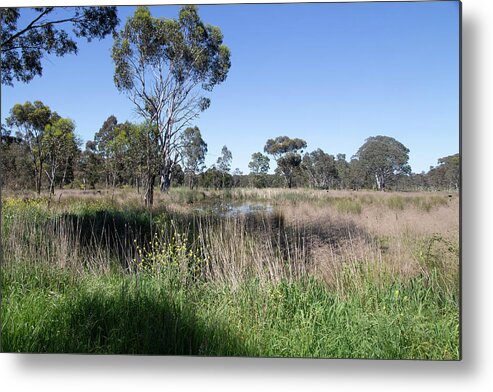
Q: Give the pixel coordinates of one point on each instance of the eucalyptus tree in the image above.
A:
(15, 165)
(383, 157)
(286, 152)
(122, 148)
(224, 161)
(60, 146)
(259, 166)
(223, 164)
(136, 154)
(88, 169)
(320, 169)
(446, 175)
(23, 47)
(166, 66)
(30, 120)
(193, 150)
(103, 139)
(343, 171)
(237, 178)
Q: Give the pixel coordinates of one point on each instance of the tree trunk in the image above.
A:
(62, 183)
(190, 180)
(165, 177)
(380, 182)
(38, 176)
(149, 193)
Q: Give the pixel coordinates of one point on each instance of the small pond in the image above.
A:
(229, 209)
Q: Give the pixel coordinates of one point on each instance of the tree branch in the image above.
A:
(28, 27)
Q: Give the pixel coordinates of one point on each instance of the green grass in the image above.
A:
(166, 299)
(57, 311)
(421, 203)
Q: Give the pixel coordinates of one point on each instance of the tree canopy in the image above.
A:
(259, 164)
(193, 151)
(30, 120)
(165, 65)
(224, 160)
(446, 174)
(23, 47)
(383, 157)
(60, 146)
(282, 145)
(320, 168)
(285, 151)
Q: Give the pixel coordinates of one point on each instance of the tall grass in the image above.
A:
(56, 311)
(309, 280)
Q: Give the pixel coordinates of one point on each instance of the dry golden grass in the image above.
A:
(317, 233)
(396, 240)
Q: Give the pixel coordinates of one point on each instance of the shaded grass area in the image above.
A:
(56, 312)
(49, 310)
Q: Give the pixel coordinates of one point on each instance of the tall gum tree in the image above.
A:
(383, 157)
(166, 66)
(285, 152)
(30, 120)
(223, 164)
(60, 146)
(259, 166)
(193, 151)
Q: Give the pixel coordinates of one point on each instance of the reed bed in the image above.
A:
(316, 277)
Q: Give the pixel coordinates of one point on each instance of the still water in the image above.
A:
(228, 209)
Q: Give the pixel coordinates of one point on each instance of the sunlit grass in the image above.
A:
(323, 275)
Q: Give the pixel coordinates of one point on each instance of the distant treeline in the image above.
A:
(39, 150)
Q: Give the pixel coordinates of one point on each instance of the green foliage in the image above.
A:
(193, 151)
(282, 145)
(396, 202)
(174, 257)
(285, 151)
(382, 157)
(447, 174)
(31, 120)
(259, 166)
(214, 178)
(187, 196)
(60, 147)
(223, 166)
(422, 203)
(24, 47)
(16, 167)
(165, 65)
(88, 171)
(168, 300)
(224, 160)
(320, 168)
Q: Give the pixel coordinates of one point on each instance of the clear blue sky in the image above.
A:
(332, 74)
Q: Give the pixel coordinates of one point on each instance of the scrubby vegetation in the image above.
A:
(313, 277)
